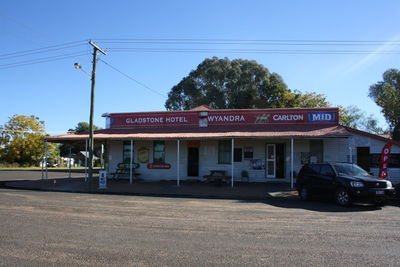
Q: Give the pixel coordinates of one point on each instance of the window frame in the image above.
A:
(126, 149)
(159, 160)
(224, 150)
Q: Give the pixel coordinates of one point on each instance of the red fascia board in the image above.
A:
(280, 110)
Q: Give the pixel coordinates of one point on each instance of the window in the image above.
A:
(394, 160)
(248, 153)
(126, 156)
(159, 152)
(316, 151)
(224, 152)
(326, 170)
(237, 155)
(314, 168)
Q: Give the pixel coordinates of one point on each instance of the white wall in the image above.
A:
(208, 154)
(375, 146)
(335, 149)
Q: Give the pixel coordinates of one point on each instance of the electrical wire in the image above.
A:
(40, 52)
(44, 58)
(250, 41)
(252, 51)
(132, 79)
(43, 48)
(41, 60)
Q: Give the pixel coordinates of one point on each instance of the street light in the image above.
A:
(79, 67)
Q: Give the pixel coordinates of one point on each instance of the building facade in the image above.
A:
(259, 145)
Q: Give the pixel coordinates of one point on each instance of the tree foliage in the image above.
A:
(297, 99)
(22, 140)
(237, 84)
(386, 94)
(82, 127)
(226, 84)
(353, 117)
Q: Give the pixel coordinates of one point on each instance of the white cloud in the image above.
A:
(373, 56)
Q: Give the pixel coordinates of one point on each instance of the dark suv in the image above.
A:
(345, 181)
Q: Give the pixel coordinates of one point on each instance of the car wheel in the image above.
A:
(343, 198)
(304, 193)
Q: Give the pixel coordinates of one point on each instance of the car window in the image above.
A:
(326, 170)
(305, 170)
(349, 169)
(315, 168)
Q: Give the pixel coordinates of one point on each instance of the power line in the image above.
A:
(42, 60)
(133, 79)
(252, 51)
(43, 48)
(39, 52)
(246, 41)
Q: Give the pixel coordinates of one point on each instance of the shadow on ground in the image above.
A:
(320, 205)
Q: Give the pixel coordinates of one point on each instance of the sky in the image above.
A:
(139, 80)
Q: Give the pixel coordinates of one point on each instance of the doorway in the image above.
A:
(193, 161)
(270, 161)
(275, 160)
(280, 160)
(363, 157)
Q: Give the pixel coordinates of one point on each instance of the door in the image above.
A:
(363, 158)
(326, 180)
(280, 160)
(193, 161)
(270, 161)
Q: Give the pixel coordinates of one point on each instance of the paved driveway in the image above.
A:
(51, 228)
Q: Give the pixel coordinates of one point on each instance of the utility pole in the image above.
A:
(91, 139)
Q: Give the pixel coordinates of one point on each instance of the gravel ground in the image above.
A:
(50, 228)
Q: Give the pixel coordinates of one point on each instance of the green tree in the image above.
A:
(23, 140)
(82, 127)
(297, 99)
(239, 83)
(386, 94)
(230, 84)
(355, 118)
(227, 84)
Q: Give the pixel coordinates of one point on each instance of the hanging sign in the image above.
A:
(257, 164)
(384, 161)
(193, 143)
(160, 166)
(143, 155)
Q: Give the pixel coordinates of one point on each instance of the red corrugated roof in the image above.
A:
(376, 136)
(310, 131)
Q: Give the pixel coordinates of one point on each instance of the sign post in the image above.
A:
(102, 180)
(384, 161)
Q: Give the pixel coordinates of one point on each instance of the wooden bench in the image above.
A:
(217, 176)
(124, 173)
